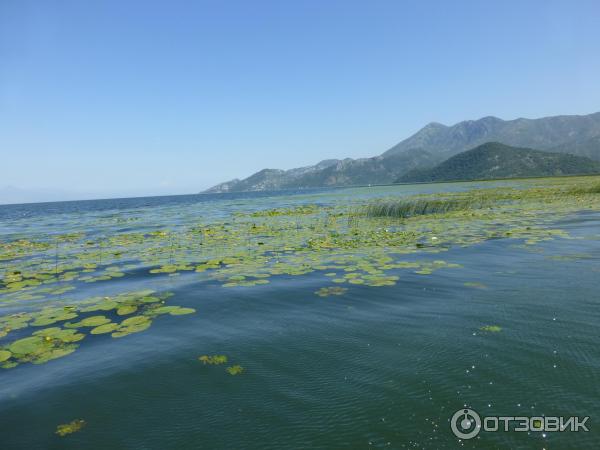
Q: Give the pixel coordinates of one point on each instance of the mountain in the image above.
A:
(271, 179)
(430, 146)
(334, 172)
(573, 134)
(496, 160)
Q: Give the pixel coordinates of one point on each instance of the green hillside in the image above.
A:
(495, 160)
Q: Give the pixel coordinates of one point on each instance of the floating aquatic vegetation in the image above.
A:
(92, 321)
(213, 359)
(235, 370)
(126, 309)
(570, 257)
(13, 322)
(475, 284)
(491, 328)
(344, 242)
(71, 427)
(172, 268)
(327, 291)
(299, 210)
(172, 310)
(4, 355)
(44, 345)
(54, 342)
(132, 325)
(50, 316)
(105, 328)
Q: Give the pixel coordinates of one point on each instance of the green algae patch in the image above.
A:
(491, 328)
(71, 427)
(213, 359)
(235, 370)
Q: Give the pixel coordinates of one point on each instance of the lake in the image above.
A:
(339, 331)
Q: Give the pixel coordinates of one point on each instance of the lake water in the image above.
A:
(375, 367)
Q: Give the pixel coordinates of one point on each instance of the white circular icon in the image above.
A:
(465, 424)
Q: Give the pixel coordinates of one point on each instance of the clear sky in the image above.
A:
(118, 98)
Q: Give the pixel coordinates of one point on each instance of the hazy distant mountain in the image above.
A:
(431, 145)
(271, 179)
(333, 172)
(495, 160)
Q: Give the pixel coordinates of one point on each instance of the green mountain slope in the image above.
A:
(496, 160)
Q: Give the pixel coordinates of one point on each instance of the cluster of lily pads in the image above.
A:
(54, 334)
(44, 275)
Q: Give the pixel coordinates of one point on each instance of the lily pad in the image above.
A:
(126, 309)
(4, 355)
(92, 321)
(235, 370)
(103, 329)
(71, 427)
(491, 328)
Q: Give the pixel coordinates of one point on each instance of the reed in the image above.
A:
(421, 207)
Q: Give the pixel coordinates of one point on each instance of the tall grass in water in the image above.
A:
(476, 199)
(420, 207)
(593, 189)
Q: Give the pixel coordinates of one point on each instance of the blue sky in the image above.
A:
(119, 98)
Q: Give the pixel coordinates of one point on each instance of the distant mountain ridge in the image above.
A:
(494, 160)
(546, 133)
(433, 144)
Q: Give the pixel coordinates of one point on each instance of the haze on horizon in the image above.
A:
(113, 99)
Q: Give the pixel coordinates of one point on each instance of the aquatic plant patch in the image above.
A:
(45, 276)
(71, 427)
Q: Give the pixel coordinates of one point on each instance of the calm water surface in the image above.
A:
(378, 367)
